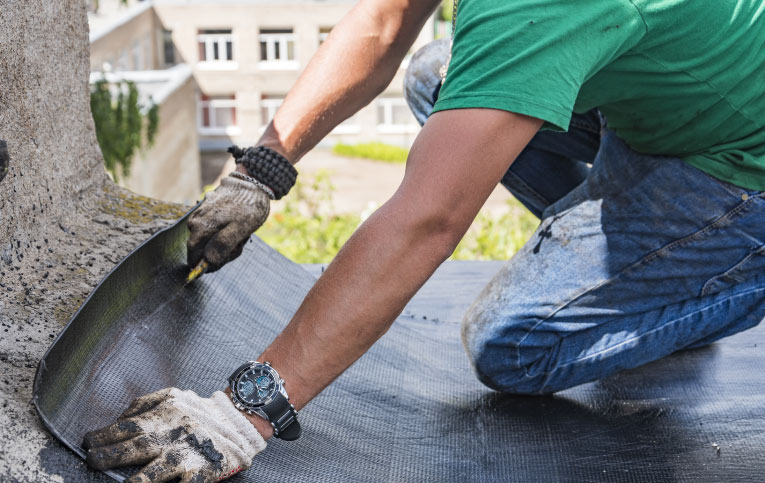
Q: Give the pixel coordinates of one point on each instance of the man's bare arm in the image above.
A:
(455, 163)
(354, 65)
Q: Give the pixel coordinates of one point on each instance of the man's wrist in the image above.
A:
(272, 141)
(261, 425)
(265, 167)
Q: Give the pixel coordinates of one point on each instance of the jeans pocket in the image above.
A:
(750, 266)
(733, 189)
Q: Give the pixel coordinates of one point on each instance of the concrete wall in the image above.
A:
(247, 78)
(170, 170)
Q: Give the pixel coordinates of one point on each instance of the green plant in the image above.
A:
(96, 3)
(307, 231)
(123, 125)
(446, 11)
(493, 237)
(375, 151)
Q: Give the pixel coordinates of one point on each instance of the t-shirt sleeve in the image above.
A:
(532, 56)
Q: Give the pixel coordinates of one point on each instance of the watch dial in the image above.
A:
(256, 385)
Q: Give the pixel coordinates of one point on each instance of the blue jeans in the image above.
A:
(636, 257)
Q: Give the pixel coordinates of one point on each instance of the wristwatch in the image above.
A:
(256, 388)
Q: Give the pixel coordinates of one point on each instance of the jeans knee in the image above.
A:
(494, 354)
(423, 78)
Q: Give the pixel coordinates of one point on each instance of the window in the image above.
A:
(123, 61)
(168, 47)
(393, 116)
(349, 126)
(323, 34)
(217, 115)
(148, 58)
(277, 49)
(137, 54)
(216, 49)
(269, 104)
(407, 59)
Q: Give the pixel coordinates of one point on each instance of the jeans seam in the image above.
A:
(737, 266)
(724, 185)
(584, 126)
(721, 221)
(647, 258)
(528, 190)
(673, 321)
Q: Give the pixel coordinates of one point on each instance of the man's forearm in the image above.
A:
(354, 65)
(454, 165)
(357, 298)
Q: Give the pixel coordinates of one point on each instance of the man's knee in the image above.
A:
(494, 349)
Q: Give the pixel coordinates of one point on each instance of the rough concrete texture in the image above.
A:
(63, 224)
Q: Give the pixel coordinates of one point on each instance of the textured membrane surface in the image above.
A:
(410, 409)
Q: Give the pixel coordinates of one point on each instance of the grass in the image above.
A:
(375, 151)
(304, 232)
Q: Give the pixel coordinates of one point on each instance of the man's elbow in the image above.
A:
(441, 232)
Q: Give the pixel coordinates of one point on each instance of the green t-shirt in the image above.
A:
(681, 78)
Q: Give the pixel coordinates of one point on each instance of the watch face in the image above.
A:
(256, 385)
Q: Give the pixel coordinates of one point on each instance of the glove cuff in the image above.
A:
(268, 166)
(242, 191)
(252, 441)
(242, 176)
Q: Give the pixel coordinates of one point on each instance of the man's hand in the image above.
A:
(177, 434)
(224, 222)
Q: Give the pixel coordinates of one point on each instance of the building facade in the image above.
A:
(244, 56)
(127, 44)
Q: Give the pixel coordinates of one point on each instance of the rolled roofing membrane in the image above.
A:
(409, 410)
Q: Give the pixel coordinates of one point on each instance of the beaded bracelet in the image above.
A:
(268, 167)
(244, 177)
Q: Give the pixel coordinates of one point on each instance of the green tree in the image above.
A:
(94, 4)
(123, 125)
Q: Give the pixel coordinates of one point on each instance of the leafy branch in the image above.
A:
(121, 126)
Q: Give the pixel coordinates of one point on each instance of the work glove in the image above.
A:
(225, 220)
(177, 434)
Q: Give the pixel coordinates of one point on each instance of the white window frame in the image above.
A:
(323, 35)
(272, 104)
(387, 126)
(123, 61)
(349, 126)
(283, 39)
(166, 36)
(405, 63)
(221, 39)
(137, 55)
(216, 130)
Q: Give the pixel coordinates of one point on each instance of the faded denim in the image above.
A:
(636, 257)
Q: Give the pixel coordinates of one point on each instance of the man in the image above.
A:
(650, 196)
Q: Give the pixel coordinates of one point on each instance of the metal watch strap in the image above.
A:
(283, 418)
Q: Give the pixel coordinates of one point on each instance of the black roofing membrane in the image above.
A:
(410, 409)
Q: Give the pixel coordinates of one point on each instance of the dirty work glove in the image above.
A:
(225, 220)
(177, 434)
